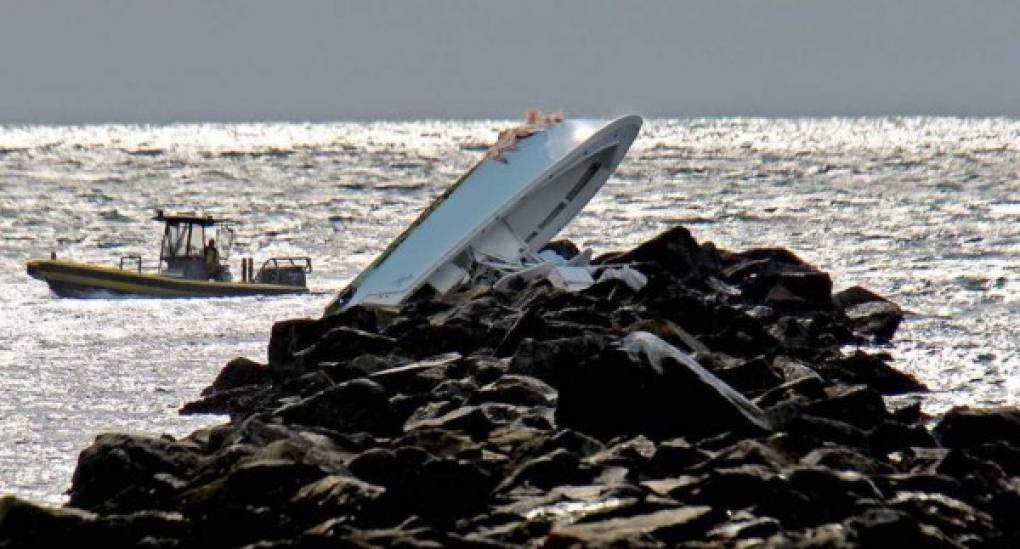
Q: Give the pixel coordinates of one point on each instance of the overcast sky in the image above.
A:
(86, 61)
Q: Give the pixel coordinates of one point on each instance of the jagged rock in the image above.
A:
(846, 459)
(884, 526)
(756, 374)
(675, 250)
(790, 290)
(666, 526)
(858, 405)
(874, 371)
(239, 372)
(836, 493)
(558, 467)
(427, 339)
(746, 529)
(339, 344)
(417, 377)
(963, 426)
(334, 495)
(559, 419)
(475, 421)
(546, 360)
(24, 524)
(655, 390)
(518, 389)
(358, 405)
(120, 470)
(871, 314)
(676, 455)
(291, 336)
(440, 490)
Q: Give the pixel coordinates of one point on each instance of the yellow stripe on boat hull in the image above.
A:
(73, 278)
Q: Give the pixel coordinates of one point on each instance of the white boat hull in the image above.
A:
(505, 209)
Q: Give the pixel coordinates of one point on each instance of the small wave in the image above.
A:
(116, 216)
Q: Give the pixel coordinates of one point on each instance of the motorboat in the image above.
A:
(495, 220)
(192, 263)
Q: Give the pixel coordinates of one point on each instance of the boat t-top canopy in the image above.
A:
(203, 221)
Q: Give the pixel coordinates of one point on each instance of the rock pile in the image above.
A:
(715, 406)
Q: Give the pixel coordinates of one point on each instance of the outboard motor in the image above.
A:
(285, 271)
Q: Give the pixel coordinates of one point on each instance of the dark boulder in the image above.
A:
(340, 344)
(239, 372)
(647, 386)
(675, 250)
(120, 470)
(558, 467)
(333, 495)
(519, 390)
(549, 360)
(360, 405)
(963, 426)
(871, 315)
(874, 371)
(291, 336)
(667, 526)
(857, 405)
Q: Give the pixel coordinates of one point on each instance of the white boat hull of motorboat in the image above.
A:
(503, 211)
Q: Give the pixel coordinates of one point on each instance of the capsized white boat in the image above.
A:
(501, 212)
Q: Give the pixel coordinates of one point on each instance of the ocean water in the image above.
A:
(924, 210)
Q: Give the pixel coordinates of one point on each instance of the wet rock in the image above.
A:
(24, 524)
(438, 442)
(890, 436)
(963, 427)
(518, 389)
(474, 421)
(858, 405)
(756, 374)
(874, 371)
(675, 250)
(454, 390)
(417, 377)
(675, 456)
(883, 526)
(563, 248)
(790, 290)
(547, 360)
(360, 405)
(746, 528)
(123, 471)
(440, 490)
(334, 495)
(288, 337)
(846, 459)
(558, 467)
(871, 315)
(342, 343)
(666, 526)
(428, 339)
(239, 372)
(815, 431)
(839, 490)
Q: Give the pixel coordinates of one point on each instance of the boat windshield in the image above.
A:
(224, 240)
(182, 240)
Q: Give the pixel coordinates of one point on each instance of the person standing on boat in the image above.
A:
(212, 259)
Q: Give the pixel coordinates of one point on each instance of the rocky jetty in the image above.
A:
(734, 400)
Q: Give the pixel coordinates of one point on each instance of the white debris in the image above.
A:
(632, 277)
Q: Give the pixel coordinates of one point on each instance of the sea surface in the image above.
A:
(924, 210)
